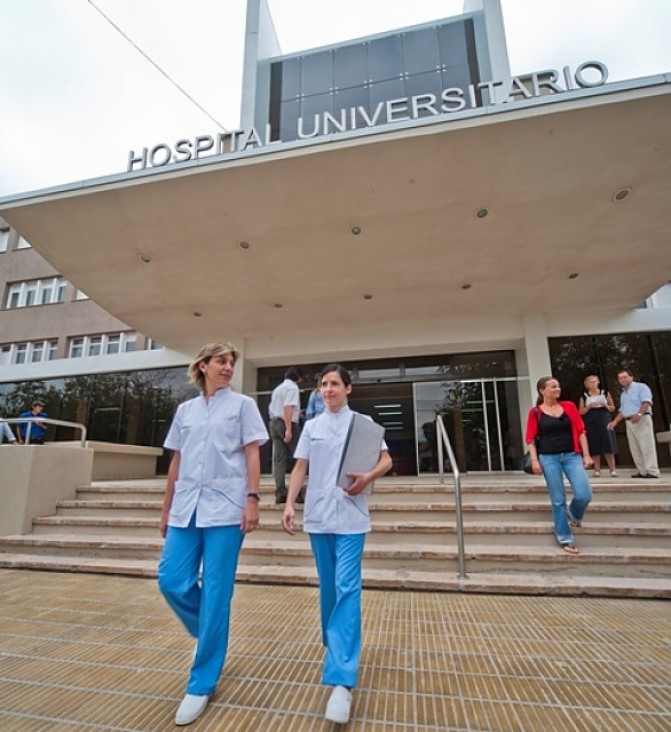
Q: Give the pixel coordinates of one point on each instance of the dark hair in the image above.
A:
(541, 384)
(342, 372)
(293, 374)
(625, 371)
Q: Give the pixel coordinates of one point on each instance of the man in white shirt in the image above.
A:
(636, 409)
(284, 411)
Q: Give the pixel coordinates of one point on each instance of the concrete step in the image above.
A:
(569, 584)
(112, 527)
(420, 530)
(437, 557)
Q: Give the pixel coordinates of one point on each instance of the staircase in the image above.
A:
(625, 542)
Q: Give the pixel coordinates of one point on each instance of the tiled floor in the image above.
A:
(89, 652)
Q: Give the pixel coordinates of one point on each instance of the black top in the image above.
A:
(554, 434)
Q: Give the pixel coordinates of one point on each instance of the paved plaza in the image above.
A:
(92, 652)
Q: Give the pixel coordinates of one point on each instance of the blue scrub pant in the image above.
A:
(203, 608)
(338, 558)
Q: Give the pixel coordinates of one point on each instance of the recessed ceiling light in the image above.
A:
(197, 314)
(279, 305)
(573, 276)
(356, 230)
(145, 258)
(482, 212)
(621, 194)
(367, 296)
(466, 286)
(244, 245)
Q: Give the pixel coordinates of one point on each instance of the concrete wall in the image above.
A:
(34, 478)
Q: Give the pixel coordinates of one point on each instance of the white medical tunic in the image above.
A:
(328, 508)
(210, 436)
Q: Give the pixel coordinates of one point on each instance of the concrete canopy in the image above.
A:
(546, 174)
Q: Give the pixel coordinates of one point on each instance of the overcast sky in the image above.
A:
(75, 96)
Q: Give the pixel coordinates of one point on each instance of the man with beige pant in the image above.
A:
(636, 409)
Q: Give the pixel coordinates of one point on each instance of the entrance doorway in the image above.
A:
(482, 419)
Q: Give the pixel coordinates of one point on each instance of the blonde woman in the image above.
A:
(211, 502)
(596, 407)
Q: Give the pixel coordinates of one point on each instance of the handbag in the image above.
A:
(526, 460)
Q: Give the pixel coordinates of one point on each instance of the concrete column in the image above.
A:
(537, 349)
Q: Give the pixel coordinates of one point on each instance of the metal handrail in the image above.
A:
(46, 420)
(444, 440)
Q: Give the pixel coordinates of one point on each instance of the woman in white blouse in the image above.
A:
(337, 522)
(211, 502)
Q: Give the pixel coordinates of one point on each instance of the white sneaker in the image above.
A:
(338, 707)
(192, 706)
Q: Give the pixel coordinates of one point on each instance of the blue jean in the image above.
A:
(203, 608)
(338, 558)
(554, 468)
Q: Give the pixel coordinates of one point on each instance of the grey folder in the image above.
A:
(362, 449)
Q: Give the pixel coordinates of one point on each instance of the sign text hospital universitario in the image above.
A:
(453, 99)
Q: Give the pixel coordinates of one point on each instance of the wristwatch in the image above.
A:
(255, 496)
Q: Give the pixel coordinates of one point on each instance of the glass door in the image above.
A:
(482, 421)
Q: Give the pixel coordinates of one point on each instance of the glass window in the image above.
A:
(4, 240)
(458, 76)
(317, 73)
(37, 352)
(317, 105)
(53, 350)
(385, 58)
(62, 286)
(14, 296)
(427, 83)
(130, 342)
(452, 44)
(347, 98)
(289, 121)
(20, 353)
(76, 348)
(350, 66)
(383, 91)
(30, 296)
(113, 344)
(291, 78)
(5, 354)
(46, 293)
(95, 346)
(420, 51)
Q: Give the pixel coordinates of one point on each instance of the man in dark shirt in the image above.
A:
(37, 429)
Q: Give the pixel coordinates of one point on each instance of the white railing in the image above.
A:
(30, 421)
(444, 443)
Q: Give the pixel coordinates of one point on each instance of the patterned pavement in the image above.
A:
(92, 652)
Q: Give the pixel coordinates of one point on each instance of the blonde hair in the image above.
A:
(206, 353)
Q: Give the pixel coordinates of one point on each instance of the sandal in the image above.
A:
(570, 548)
(573, 522)
(596, 474)
(613, 474)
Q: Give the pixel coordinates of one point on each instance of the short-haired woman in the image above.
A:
(337, 521)
(211, 502)
(596, 407)
(557, 444)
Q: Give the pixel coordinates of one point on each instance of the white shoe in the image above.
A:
(338, 707)
(192, 706)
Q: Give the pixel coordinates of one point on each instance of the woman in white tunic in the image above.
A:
(211, 502)
(337, 522)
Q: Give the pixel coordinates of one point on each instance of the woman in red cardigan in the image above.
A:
(558, 446)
